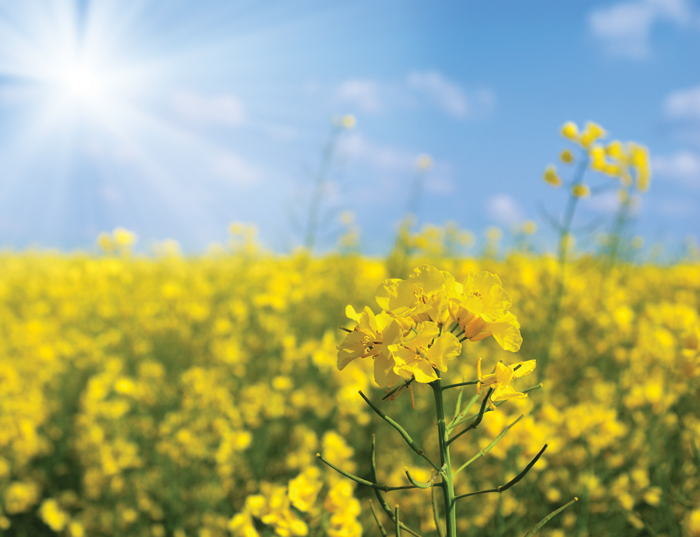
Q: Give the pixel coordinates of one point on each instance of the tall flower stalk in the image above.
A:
(627, 164)
(321, 179)
(424, 321)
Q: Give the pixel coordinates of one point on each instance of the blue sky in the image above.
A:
(174, 119)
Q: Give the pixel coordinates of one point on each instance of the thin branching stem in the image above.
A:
(436, 513)
(376, 519)
(510, 483)
(549, 517)
(488, 448)
(477, 421)
(378, 493)
(401, 431)
(496, 404)
(459, 416)
(361, 481)
(459, 384)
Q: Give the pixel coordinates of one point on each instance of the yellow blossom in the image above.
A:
(566, 156)
(424, 162)
(551, 176)
(529, 227)
(304, 488)
(591, 134)
(581, 191)
(570, 130)
(422, 296)
(422, 350)
(52, 515)
(500, 380)
(348, 121)
(481, 307)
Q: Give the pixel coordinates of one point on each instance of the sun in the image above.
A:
(93, 136)
(80, 82)
(72, 61)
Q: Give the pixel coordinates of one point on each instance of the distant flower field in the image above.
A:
(189, 396)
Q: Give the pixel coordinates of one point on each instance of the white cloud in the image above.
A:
(363, 94)
(235, 170)
(440, 182)
(608, 202)
(624, 28)
(445, 94)
(390, 161)
(683, 167)
(504, 209)
(223, 109)
(683, 104)
(419, 88)
(381, 158)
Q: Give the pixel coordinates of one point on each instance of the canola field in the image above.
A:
(179, 396)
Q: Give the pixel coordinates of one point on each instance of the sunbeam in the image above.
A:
(81, 80)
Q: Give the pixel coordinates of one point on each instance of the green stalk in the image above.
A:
(564, 231)
(447, 485)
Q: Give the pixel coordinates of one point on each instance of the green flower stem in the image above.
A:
(320, 185)
(418, 484)
(376, 519)
(477, 421)
(489, 447)
(458, 405)
(510, 483)
(401, 431)
(447, 485)
(497, 404)
(436, 513)
(459, 416)
(564, 230)
(460, 384)
(549, 517)
(398, 522)
(377, 492)
(360, 480)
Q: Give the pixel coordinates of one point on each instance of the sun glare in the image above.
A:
(79, 82)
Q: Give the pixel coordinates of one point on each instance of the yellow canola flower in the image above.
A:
(529, 227)
(639, 158)
(123, 238)
(592, 133)
(692, 525)
(280, 515)
(366, 339)
(423, 296)
(344, 509)
(104, 241)
(52, 515)
(424, 162)
(566, 156)
(348, 121)
(551, 176)
(242, 525)
(570, 130)
(615, 151)
(581, 191)
(481, 308)
(304, 489)
(421, 351)
(407, 340)
(500, 379)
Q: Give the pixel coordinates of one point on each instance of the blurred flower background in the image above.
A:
(174, 119)
(192, 194)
